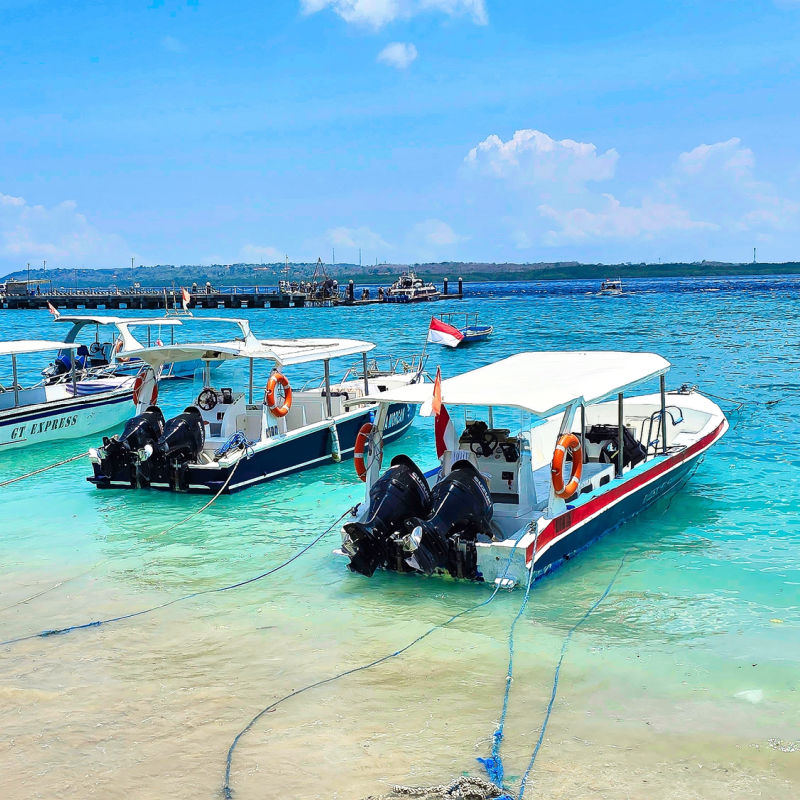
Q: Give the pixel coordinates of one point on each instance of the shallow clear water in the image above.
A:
(674, 687)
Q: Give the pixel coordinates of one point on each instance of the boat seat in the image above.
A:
(451, 457)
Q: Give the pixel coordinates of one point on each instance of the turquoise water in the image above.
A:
(684, 682)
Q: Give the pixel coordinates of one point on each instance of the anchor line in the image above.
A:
(227, 791)
(174, 601)
(43, 469)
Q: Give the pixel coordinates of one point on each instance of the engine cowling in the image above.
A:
(183, 436)
(402, 491)
(461, 507)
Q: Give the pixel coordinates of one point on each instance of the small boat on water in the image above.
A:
(583, 456)
(46, 412)
(101, 340)
(410, 288)
(611, 287)
(458, 328)
(228, 438)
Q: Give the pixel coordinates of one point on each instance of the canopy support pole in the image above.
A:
(16, 383)
(250, 386)
(583, 433)
(491, 417)
(206, 373)
(620, 434)
(327, 364)
(366, 379)
(72, 373)
(663, 415)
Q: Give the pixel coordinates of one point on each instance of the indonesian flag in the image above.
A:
(185, 298)
(443, 426)
(53, 310)
(441, 333)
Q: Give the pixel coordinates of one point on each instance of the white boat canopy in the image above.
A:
(282, 351)
(543, 383)
(19, 346)
(129, 341)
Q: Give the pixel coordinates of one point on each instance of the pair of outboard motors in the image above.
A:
(410, 527)
(152, 449)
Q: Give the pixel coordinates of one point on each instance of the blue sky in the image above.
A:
(214, 132)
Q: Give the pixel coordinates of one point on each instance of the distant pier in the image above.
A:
(155, 299)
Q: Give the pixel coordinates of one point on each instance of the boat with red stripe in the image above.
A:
(556, 449)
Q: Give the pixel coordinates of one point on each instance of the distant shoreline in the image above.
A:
(383, 275)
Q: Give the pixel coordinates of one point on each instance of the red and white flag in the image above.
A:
(443, 425)
(185, 298)
(53, 310)
(441, 333)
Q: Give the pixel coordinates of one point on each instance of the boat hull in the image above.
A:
(64, 419)
(283, 456)
(577, 528)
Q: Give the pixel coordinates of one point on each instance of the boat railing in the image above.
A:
(377, 367)
(675, 415)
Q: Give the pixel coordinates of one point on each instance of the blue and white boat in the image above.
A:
(46, 412)
(499, 507)
(230, 438)
(101, 340)
(466, 323)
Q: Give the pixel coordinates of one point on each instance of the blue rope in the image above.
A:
(227, 792)
(97, 623)
(237, 440)
(494, 763)
(564, 646)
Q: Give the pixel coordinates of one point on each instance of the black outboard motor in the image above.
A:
(123, 454)
(399, 493)
(462, 506)
(183, 436)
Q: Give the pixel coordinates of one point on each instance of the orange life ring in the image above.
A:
(567, 443)
(272, 384)
(118, 344)
(360, 447)
(138, 384)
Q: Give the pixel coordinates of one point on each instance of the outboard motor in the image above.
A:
(399, 493)
(121, 455)
(462, 506)
(183, 436)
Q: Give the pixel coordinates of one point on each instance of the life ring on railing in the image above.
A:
(118, 345)
(362, 438)
(567, 443)
(269, 397)
(145, 382)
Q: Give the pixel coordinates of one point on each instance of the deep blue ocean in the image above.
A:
(685, 682)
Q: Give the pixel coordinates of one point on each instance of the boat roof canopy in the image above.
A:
(19, 346)
(93, 319)
(543, 383)
(282, 351)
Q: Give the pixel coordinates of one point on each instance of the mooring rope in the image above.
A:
(43, 469)
(494, 763)
(120, 618)
(227, 791)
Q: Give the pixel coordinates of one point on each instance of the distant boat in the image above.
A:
(47, 412)
(611, 287)
(410, 288)
(457, 328)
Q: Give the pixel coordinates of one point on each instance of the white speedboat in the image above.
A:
(611, 287)
(233, 437)
(68, 409)
(409, 288)
(101, 340)
(499, 504)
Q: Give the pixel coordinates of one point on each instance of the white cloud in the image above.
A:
(398, 54)
(253, 253)
(726, 156)
(532, 157)
(59, 233)
(616, 221)
(377, 13)
(356, 237)
(173, 45)
(434, 232)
